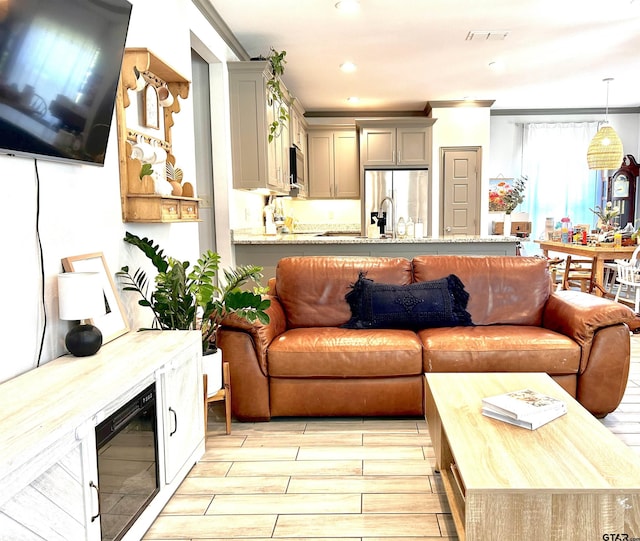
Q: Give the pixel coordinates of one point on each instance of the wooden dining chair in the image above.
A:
(628, 279)
(580, 273)
(223, 394)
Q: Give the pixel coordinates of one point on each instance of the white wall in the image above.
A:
(80, 211)
(466, 126)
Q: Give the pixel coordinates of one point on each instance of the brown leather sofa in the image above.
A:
(303, 363)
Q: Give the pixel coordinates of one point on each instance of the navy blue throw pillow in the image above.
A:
(436, 303)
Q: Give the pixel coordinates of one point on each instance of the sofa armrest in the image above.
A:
(261, 334)
(580, 316)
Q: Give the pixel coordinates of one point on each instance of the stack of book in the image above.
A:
(526, 408)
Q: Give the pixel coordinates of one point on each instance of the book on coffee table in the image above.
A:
(531, 422)
(525, 407)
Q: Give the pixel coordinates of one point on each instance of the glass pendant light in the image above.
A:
(605, 150)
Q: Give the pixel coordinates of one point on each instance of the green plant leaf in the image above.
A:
(146, 169)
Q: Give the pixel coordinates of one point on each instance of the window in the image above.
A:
(559, 180)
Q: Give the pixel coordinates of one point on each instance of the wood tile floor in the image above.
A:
(329, 479)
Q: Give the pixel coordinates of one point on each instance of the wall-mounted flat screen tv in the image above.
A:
(59, 67)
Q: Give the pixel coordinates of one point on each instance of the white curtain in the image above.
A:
(554, 158)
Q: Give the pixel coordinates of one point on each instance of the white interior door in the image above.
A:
(460, 191)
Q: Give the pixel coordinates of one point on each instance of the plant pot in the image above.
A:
(212, 366)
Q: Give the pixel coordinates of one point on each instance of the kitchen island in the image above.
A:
(267, 250)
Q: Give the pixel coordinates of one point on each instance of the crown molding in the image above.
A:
(357, 113)
(443, 104)
(218, 24)
(583, 111)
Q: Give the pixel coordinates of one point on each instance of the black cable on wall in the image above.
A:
(42, 277)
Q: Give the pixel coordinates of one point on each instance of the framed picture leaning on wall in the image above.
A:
(114, 322)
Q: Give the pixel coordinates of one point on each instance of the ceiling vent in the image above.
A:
(486, 35)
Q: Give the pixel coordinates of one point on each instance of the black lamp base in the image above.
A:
(83, 340)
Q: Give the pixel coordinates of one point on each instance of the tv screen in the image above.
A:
(59, 67)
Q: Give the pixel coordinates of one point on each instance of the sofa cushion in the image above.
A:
(499, 348)
(312, 288)
(436, 303)
(502, 289)
(345, 353)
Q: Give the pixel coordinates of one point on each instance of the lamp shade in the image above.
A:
(80, 295)
(605, 150)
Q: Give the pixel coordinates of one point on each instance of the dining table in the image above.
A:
(599, 253)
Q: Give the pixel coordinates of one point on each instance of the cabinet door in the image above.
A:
(321, 173)
(298, 130)
(56, 504)
(379, 146)
(278, 151)
(283, 158)
(248, 110)
(273, 149)
(182, 412)
(413, 146)
(346, 166)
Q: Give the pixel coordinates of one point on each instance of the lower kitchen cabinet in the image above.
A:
(48, 454)
(333, 164)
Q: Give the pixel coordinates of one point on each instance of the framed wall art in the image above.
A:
(114, 322)
(498, 187)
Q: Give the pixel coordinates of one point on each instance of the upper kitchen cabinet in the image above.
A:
(333, 164)
(257, 162)
(151, 184)
(395, 142)
(298, 126)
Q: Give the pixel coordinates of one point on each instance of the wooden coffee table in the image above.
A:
(569, 480)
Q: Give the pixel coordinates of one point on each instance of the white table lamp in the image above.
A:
(80, 297)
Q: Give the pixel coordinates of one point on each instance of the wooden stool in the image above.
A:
(222, 394)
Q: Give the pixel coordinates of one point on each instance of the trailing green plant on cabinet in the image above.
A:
(260, 138)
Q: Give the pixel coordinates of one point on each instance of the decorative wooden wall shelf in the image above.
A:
(140, 203)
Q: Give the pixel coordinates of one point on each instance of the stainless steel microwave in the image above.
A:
(297, 166)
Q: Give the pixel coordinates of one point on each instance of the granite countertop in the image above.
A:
(355, 238)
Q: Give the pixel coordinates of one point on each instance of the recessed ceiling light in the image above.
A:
(348, 6)
(348, 67)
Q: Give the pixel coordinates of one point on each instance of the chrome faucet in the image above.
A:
(393, 215)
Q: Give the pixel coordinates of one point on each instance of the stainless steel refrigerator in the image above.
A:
(407, 188)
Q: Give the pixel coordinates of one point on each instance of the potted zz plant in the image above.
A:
(192, 299)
